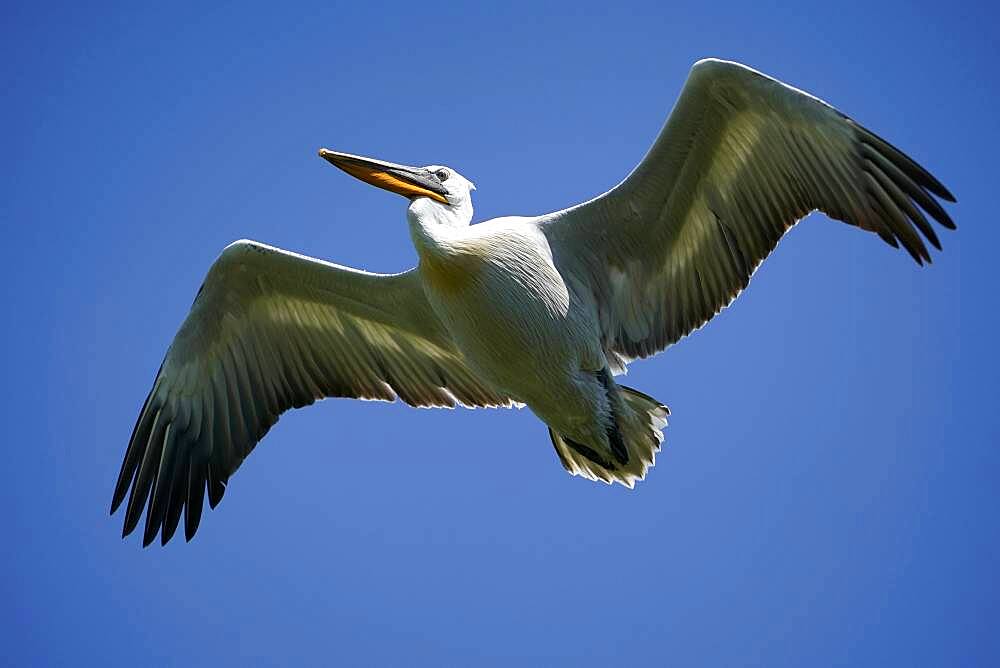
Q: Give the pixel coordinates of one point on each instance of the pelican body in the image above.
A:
(540, 311)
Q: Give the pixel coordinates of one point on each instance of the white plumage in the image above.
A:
(537, 311)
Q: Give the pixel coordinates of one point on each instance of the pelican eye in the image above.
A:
(442, 175)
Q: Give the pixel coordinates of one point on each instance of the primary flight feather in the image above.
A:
(540, 311)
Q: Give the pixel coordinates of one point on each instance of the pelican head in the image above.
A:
(435, 191)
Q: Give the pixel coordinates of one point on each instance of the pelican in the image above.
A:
(541, 311)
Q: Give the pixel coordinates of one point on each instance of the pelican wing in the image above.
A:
(741, 159)
(269, 331)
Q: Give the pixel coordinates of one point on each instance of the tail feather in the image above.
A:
(642, 435)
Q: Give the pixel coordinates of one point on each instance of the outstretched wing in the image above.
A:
(741, 159)
(271, 330)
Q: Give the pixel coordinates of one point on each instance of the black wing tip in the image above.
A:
(936, 187)
(165, 533)
(121, 492)
(913, 254)
(165, 529)
(924, 255)
(940, 215)
(131, 522)
(149, 535)
(216, 490)
(914, 169)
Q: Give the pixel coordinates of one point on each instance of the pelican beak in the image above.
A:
(400, 179)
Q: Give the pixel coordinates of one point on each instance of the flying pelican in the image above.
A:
(539, 311)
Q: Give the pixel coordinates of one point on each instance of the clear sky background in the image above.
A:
(827, 495)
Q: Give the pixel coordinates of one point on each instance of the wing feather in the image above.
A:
(272, 330)
(741, 159)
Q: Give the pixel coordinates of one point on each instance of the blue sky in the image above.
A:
(827, 495)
